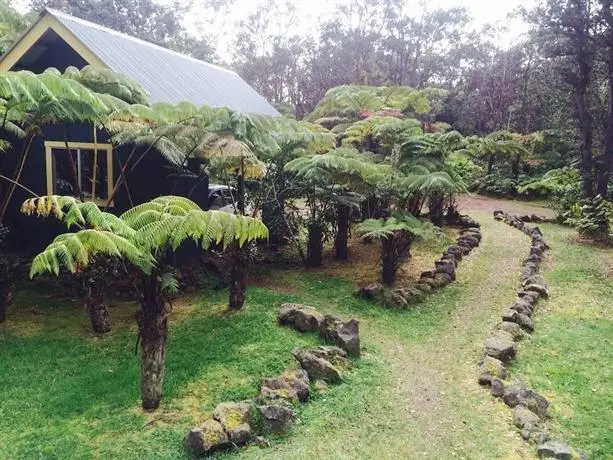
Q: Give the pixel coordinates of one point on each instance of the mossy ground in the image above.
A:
(66, 393)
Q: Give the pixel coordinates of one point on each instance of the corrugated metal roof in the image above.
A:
(167, 75)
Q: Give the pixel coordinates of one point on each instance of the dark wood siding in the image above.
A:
(152, 177)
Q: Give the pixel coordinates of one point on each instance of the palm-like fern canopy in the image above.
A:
(384, 228)
(354, 101)
(500, 142)
(106, 81)
(138, 236)
(342, 166)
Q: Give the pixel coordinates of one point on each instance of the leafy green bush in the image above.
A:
(593, 218)
(561, 186)
(463, 167)
(498, 184)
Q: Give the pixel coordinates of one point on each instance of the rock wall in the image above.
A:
(529, 407)
(273, 410)
(442, 274)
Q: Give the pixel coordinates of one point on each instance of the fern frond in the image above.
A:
(384, 228)
(74, 252)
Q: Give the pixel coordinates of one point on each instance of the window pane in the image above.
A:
(87, 174)
(65, 182)
(92, 179)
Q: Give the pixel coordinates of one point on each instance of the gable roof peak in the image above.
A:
(60, 15)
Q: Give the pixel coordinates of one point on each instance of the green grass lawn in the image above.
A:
(65, 393)
(570, 357)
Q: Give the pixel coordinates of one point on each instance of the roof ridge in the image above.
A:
(59, 14)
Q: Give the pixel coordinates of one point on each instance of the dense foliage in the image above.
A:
(141, 238)
(370, 150)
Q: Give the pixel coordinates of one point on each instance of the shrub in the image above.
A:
(593, 218)
(561, 186)
(497, 184)
(463, 167)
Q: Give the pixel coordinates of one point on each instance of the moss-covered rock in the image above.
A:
(298, 379)
(317, 366)
(491, 368)
(277, 417)
(236, 419)
(207, 438)
(301, 317)
(272, 389)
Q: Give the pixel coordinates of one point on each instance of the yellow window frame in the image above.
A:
(108, 148)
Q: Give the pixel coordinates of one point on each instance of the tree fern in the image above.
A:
(395, 234)
(70, 211)
(74, 251)
(137, 235)
(384, 228)
(107, 81)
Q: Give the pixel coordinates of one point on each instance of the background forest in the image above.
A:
(556, 77)
(390, 116)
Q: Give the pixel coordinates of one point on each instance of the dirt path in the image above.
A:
(437, 374)
(475, 203)
(428, 404)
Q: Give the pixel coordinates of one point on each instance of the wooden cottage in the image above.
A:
(59, 40)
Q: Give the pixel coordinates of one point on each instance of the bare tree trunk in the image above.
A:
(238, 286)
(606, 166)
(315, 246)
(17, 176)
(585, 126)
(342, 232)
(152, 322)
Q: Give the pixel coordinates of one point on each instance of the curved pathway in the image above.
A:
(420, 398)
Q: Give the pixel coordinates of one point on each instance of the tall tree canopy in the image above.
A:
(144, 19)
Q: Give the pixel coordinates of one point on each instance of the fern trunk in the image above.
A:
(238, 285)
(315, 246)
(389, 260)
(5, 296)
(99, 316)
(342, 232)
(435, 210)
(152, 322)
(5, 290)
(273, 217)
(374, 208)
(395, 249)
(453, 216)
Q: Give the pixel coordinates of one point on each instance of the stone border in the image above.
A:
(529, 407)
(535, 219)
(442, 274)
(273, 410)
